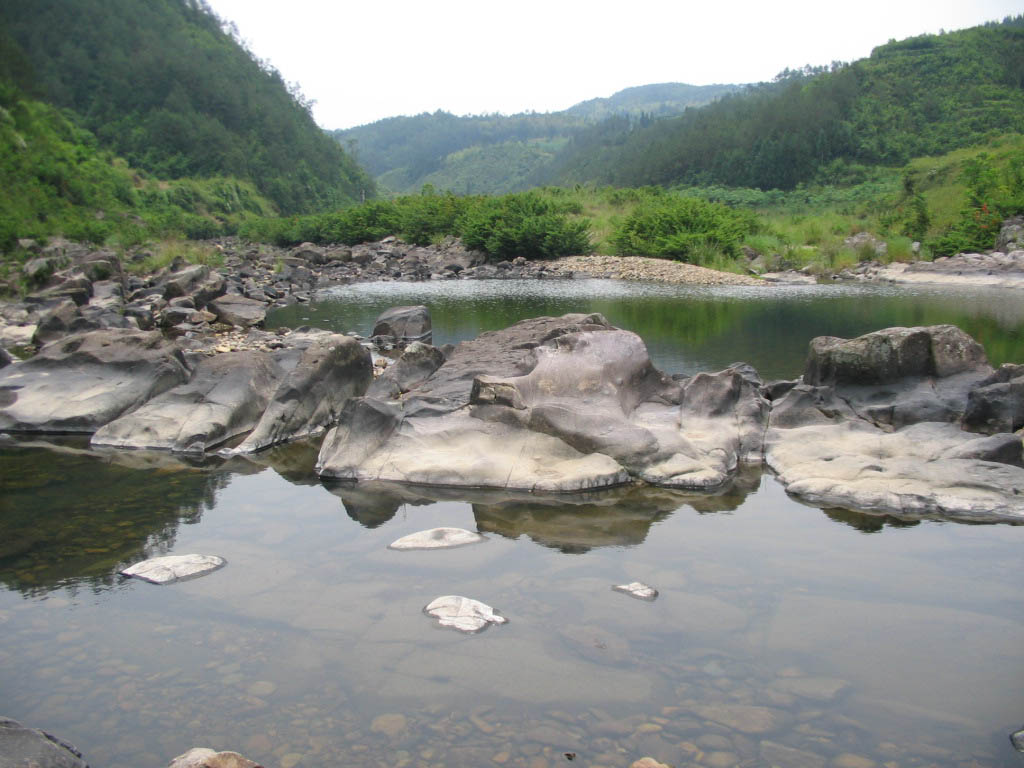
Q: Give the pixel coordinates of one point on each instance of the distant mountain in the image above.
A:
(922, 96)
(165, 85)
(498, 153)
(657, 100)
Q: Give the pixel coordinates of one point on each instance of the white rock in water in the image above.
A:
(638, 590)
(172, 568)
(463, 613)
(437, 538)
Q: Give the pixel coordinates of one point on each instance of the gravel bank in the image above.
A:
(643, 268)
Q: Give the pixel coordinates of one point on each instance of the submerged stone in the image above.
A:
(463, 613)
(172, 568)
(637, 589)
(437, 538)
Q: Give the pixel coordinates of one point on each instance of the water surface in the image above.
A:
(782, 632)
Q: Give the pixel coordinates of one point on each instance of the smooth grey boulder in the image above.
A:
(234, 309)
(21, 747)
(553, 405)
(417, 363)
(5, 358)
(405, 324)
(225, 397)
(83, 381)
(173, 568)
(310, 398)
(184, 281)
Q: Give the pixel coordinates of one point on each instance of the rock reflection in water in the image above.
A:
(80, 519)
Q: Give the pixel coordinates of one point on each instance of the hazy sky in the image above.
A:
(367, 59)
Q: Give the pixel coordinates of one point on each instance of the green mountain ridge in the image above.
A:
(922, 96)
(165, 85)
(496, 154)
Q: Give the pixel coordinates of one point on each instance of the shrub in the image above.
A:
(676, 227)
(524, 224)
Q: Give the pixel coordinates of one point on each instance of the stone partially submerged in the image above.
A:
(437, 538)
(172, 568)
(637, 589)
(553, 405)
(462, 613)
(876, 425)
(83, 381)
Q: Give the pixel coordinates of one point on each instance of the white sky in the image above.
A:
(362, 60)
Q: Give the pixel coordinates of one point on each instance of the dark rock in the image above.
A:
(311, 396)
(83, 381)
(22, 747)
(183, 281)
(997, 403)
(238, 310)
(55, 322)
(416, 364)
(5, 358)
(406, 324)
(314, 254)
(76, 287)
(1011, 235)
(892, 354)
(142, 315)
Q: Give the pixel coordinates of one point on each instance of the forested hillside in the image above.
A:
(488, 154)
(163, 84)
(924, 95)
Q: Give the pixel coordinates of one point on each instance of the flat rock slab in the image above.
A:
(437, 538)
(172, 568)
(225, 397)
(924, 470)
(637, 589)
(238, 310)
(83, 381)
(463, 613)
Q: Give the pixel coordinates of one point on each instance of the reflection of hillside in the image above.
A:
(71, 517)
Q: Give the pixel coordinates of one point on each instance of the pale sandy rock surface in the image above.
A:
(462, 613)
(437, 538)
(172, 568)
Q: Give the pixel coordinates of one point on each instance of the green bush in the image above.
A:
(525, 224)
(676, 227)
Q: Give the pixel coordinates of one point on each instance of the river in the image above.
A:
(783, 634)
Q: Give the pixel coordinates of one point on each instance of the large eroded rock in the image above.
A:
(225, 397)
(553, 405)
(877, 425)
(332, 369)
(83, 381)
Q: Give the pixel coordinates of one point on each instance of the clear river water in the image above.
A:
(783, 634)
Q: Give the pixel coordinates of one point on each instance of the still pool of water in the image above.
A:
(687, 329)
(783, 634)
